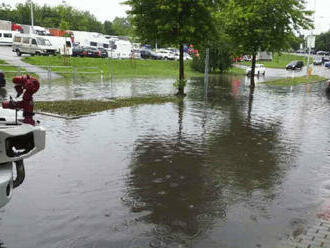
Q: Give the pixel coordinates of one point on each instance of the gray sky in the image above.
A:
(109, 9)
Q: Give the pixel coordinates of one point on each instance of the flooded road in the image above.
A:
(238, 169)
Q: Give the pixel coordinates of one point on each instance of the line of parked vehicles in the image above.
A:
(50, 45)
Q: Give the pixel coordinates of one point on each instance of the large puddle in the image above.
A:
(233, 170)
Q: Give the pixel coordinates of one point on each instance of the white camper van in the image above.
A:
(32, 44)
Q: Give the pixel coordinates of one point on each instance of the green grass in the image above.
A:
(281, 60)
(118, 68)
(235, 71)
(11, 71)
(295, 81)
(85, 107)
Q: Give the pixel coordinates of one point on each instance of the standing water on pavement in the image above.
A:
(235, 169)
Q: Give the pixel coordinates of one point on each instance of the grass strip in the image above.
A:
(85, 107)
(280, 60)
(295, 80)
(117, 68)
(11, 71)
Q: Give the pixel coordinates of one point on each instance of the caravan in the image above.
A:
(6, 37)
(62, 44)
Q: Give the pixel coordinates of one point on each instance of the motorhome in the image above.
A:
(6, 37)
(32, 44)
(90, 39)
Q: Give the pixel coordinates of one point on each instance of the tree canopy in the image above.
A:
(172, 22)
(264, 25)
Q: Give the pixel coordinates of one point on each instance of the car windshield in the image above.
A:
(43, 42)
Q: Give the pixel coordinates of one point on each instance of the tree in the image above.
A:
(264, 25)
(322, 42)
(108, 27)
(174, 22)
(121, 26)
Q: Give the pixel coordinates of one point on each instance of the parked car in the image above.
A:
(186, 56)
(77, 51)
(165, 54)
(259, 70)
(325, 58)
(318, 61)
(149, 54)
(322, 53)
(294, 65)
(327, 64)
(91, 52)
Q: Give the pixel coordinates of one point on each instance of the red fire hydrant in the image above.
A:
(29, 86)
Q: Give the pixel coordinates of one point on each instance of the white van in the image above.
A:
(6, 37)
(32, 44)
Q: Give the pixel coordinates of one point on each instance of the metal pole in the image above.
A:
(49, 73)
(32, 19)
(206, 73)
(309, 54)
(74, 74)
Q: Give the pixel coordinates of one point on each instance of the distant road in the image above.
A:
(272, 73)
(11, 58)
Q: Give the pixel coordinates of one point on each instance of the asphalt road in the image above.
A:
(282, 73)
(11, 58)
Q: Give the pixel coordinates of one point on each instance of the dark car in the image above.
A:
(295, 65)
(91, 52)
(148, 54)
(327, 64)
(77, 51)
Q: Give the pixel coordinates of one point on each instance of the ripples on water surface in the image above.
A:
(237, 170)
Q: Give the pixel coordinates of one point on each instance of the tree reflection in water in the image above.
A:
(186, 184)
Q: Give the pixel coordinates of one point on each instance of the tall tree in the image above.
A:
(264, 25)
(174, 22)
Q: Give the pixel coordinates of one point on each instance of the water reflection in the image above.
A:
(186, 183)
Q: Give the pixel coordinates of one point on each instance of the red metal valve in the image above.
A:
(27, 86)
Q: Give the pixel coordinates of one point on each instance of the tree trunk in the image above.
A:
(181, 72)
(253, 68)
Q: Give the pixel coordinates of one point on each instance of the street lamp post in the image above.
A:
(32, 19)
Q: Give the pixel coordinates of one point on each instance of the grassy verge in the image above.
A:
(118, 68)
(85, 107)
(235, 71)
(11, 71)
(281, 60)
(296, 80)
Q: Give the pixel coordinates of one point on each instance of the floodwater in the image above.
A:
(235, 169)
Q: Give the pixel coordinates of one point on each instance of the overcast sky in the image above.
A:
(109, 9)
